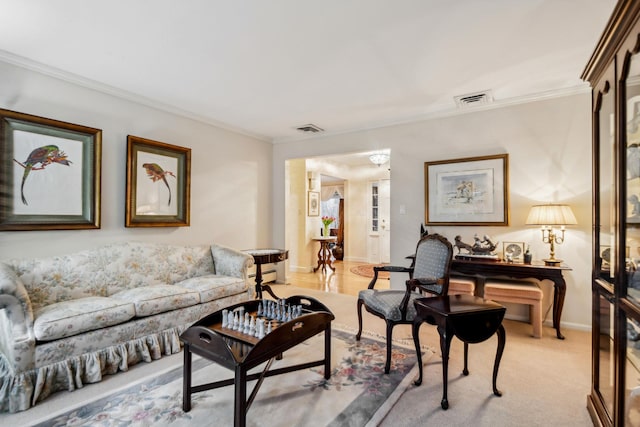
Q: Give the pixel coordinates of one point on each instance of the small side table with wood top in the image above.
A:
(265, 256)
(324, 254)
(472, 319)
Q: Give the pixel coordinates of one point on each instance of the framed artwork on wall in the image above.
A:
(50, 174)
(314, 203)
(158, 184)
(468, 191)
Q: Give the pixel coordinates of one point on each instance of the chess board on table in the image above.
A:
(292, 321)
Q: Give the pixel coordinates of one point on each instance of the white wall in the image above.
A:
(549, 147)
(230, 172)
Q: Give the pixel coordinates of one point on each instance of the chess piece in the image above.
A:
(236, 321)
(260, 329)
(252, 325)
(245, 329)
(269, 327)
(225, 318)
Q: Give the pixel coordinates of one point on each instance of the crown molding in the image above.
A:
(119, 93)
(448, 111)
(437, 112)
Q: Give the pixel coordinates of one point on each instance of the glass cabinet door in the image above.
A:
(605, 268)
(632, 158)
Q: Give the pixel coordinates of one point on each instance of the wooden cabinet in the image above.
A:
(614, 74)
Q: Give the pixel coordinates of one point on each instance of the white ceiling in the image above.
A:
(265, 67)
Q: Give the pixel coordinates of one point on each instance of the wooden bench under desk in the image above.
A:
(480, 270)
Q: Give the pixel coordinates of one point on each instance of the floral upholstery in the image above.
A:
(68, 320)
(212, 286)
(155, 299)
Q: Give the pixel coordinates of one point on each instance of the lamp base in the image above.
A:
(553, 262)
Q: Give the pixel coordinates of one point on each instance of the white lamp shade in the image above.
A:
(551, 215)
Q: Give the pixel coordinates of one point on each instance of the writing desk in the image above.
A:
(480, 270)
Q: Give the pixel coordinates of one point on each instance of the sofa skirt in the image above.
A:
(59, 366)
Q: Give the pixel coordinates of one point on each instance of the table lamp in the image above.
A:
(550, 216)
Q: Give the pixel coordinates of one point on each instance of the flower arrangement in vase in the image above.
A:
(327, 220)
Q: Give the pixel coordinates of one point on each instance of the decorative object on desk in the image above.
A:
(423, 230)
(314, 203)
(469, 191)
(482, 246)
(158, 184)
(549, 216)
(513, 250)
(527, 256)
(327, 221)
(50, 173)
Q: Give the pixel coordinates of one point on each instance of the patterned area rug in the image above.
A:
(357, 394)
(366, 270)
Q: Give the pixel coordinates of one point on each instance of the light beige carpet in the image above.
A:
(544, 381)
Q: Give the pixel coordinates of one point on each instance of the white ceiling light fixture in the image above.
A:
(379, 159)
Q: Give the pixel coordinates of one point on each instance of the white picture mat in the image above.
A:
(54, 190)
(152, 197)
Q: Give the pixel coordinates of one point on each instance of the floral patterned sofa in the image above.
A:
(68, 320)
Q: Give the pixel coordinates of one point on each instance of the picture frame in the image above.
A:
(50, 172)
(467, 191)
(158, 184)
(313, 203)
(516, 249)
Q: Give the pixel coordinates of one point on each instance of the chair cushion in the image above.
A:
(67, 318)
(155, 299)
(213, 286)
(387, 303)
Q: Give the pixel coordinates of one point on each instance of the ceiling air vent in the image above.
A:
(310, 128)
(471, 99)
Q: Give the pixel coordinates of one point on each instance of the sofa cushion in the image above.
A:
(213, 286)
(67, 318)
(155, 299)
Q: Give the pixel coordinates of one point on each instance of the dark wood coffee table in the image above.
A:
(240, 352)
(470, 318)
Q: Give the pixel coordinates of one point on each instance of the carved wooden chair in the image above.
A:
(428, 274)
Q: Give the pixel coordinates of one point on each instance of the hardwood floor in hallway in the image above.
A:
(341, 281)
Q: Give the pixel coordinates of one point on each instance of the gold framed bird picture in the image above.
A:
(50, 173)
(158, 184)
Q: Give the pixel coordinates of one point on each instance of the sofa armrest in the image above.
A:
(16, 319)
(231, 262)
